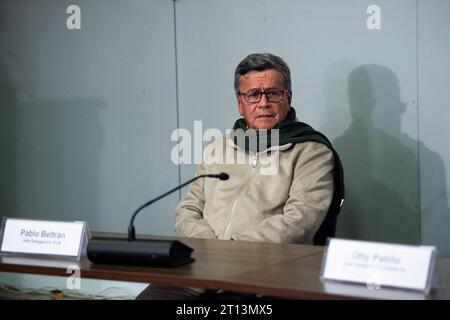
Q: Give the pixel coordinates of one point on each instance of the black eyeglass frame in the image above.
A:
(261, 94)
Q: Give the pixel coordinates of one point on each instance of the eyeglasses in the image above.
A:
(253, 96)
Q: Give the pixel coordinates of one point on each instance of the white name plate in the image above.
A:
(55, 238)
(379, 264)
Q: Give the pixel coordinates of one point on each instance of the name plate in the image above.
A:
(37, 237)
(379, 264)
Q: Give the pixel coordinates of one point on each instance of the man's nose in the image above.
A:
(264, 102)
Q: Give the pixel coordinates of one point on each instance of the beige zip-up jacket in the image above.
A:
(280, 195)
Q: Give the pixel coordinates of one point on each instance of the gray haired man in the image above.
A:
(299, 203)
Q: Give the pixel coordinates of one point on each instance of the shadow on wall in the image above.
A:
(49, 168)
(380, 162)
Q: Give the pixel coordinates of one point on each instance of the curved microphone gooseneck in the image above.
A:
(131, 229)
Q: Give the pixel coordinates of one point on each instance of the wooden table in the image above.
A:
(281, 270)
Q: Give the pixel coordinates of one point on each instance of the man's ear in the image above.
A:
(240, 106)
(289, 97)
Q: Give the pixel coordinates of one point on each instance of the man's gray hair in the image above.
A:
(262, 62)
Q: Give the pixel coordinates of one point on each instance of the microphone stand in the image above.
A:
(131, 229)
(166, 253)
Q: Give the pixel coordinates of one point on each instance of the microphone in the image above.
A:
(131, 229)
(169, 253)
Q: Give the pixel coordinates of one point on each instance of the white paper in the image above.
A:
(379, 264)
(42, 237)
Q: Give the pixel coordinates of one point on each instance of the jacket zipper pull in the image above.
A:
(255, 160)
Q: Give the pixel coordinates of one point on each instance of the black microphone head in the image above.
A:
(224, 176)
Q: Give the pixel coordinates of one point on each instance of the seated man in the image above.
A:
(285, 177)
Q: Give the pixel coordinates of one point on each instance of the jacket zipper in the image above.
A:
(252, 172)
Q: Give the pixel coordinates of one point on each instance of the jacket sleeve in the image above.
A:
(309, 199)
(189, 220)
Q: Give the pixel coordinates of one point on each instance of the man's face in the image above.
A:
(263, 114)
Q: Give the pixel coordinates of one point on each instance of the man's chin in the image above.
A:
(264, 123)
